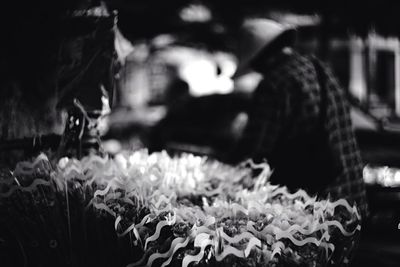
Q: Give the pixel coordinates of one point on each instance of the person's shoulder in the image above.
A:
(300, 67)
(294, 71)
(302, 60)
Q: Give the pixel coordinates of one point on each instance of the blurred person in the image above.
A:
(177, 90)
(87, 69)
(299, 119)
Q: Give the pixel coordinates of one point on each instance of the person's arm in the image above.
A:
(266, 116)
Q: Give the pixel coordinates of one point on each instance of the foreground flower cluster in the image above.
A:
(141, 209)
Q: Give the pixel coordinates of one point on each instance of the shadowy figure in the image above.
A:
(299, 118)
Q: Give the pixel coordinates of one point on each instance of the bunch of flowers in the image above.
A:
(141, 209)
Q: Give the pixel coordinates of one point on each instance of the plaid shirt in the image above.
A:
(287, 109)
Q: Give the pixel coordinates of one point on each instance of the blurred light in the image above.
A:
(239, 124)
(140, 52)
(202, 78)
(247, 83)
(112, 146)
(163, 40)
(98, 11)
(227, 63)
(298, 20)
(302, 20)
(195, 13)
(382, 175)
(199, 69)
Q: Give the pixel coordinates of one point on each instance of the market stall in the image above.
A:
(141, 209)
(111, 154)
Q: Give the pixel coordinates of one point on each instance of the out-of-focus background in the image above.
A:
(174, 89)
